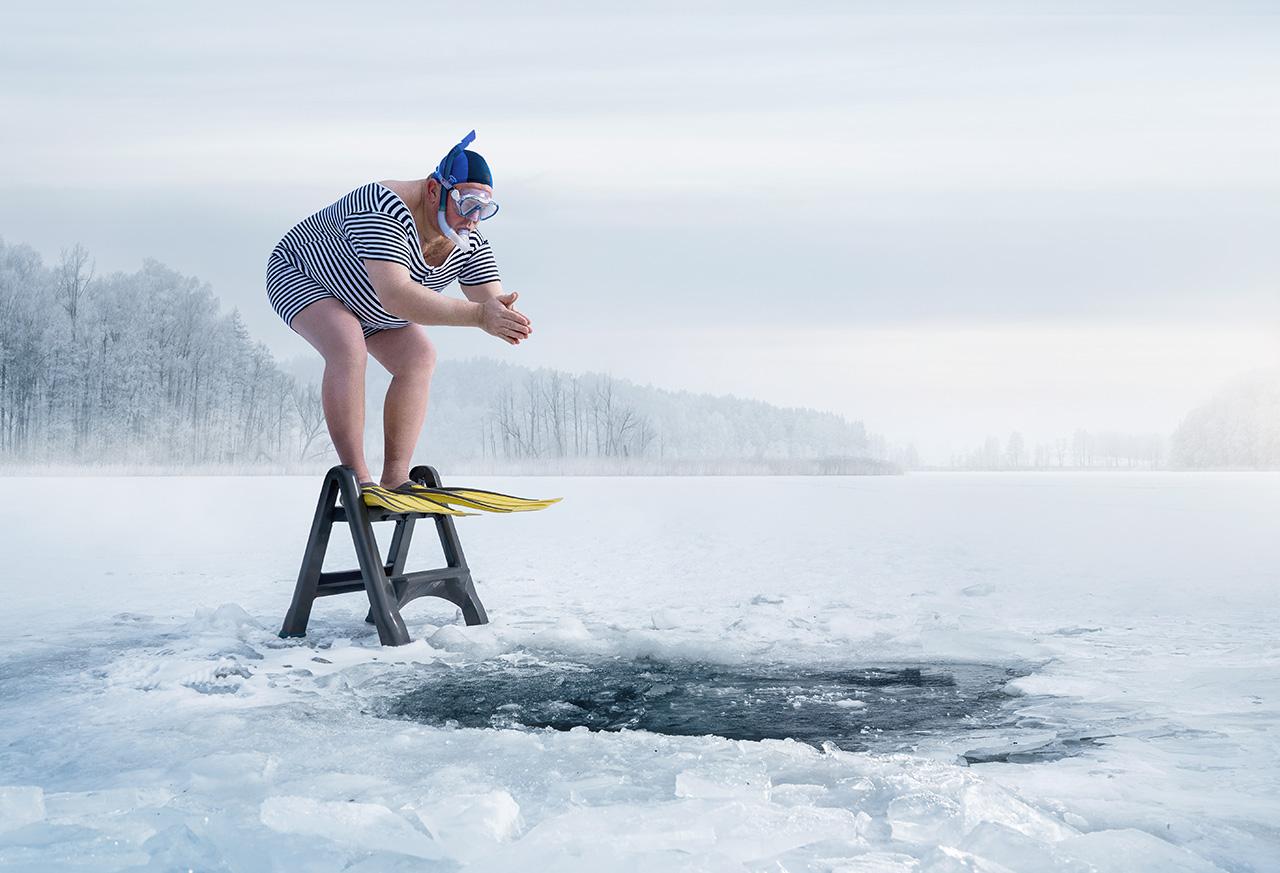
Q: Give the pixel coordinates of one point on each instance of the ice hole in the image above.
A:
(856, 708)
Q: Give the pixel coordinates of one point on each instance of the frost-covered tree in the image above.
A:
(1238, 427)
(1015, 451)
(131, 368)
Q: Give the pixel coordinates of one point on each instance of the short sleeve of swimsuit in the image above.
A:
(376, 236)
(481, 266)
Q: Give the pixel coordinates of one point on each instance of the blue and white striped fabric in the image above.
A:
(321, 257)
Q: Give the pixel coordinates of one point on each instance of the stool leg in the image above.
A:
(304, 593)
(398, 553)
(382, 597)
(462, 589)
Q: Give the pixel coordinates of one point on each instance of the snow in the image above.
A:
(153, 720)
(20, 805)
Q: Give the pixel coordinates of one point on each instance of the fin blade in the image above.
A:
(508, 501)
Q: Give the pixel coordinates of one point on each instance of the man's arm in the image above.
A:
(405, 298)
(481, 293)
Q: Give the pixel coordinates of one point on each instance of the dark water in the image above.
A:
(855, 709)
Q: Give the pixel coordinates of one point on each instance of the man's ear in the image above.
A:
(433, 189)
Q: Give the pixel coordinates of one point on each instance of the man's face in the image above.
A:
(456, 221)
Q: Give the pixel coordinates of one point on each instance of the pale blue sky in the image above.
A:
(693, 191)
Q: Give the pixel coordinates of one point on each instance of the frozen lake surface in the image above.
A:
(975, 672)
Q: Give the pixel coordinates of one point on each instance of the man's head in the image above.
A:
(469, 196)
(462, 188)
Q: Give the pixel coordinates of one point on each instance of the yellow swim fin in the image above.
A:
(508, 501)
(398, 501)
(449, 498)
(489, 501)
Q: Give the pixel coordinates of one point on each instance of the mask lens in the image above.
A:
(476, 207)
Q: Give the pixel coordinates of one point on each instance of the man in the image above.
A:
(359, 277)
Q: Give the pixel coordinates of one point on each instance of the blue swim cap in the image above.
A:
(477, 169)
(463, 165)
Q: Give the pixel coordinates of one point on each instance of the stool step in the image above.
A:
(377, 513)
(344, 581)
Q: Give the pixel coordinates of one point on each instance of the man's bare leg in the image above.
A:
(336, 334)
(410, 358)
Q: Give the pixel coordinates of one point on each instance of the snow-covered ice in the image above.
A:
(153, 720)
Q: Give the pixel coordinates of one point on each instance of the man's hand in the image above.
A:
(509, 301)
(500, 318)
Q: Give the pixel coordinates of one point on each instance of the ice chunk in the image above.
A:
(1012, 848)
(337, 784)
(1060, 686)
(660, 619)
(724, 781)
(468, 825)
(368, 826)
(748, 831)
(568, 634)
(227, 617)
(1076, 631)
(609, 833)
(923, 817)
(990, 803)
(1126, 849)
(948, 859)
(20, 805)
(879, 862)
(382, 862)
(478, 641)
(1077, 821)
(70, 807)
(793, 794)
(223, 677)
(231, 773)
(179, 848)
(112, 812)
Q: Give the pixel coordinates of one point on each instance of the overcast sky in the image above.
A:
(946, 225)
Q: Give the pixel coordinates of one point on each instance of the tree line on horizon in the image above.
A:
(1083, 450)
(144, 368)
(1237, 428)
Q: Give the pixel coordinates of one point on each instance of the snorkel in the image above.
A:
(459, 165)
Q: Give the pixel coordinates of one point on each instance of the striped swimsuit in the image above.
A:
(321, 256)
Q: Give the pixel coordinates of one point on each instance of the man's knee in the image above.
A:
(415, 356)
(347, 357)
(426, 360)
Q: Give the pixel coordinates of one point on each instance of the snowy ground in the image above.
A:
(152, 720)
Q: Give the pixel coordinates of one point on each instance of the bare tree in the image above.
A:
(310, 412)
(74, 276)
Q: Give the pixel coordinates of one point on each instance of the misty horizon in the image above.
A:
(948, 226)
(67, 367)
